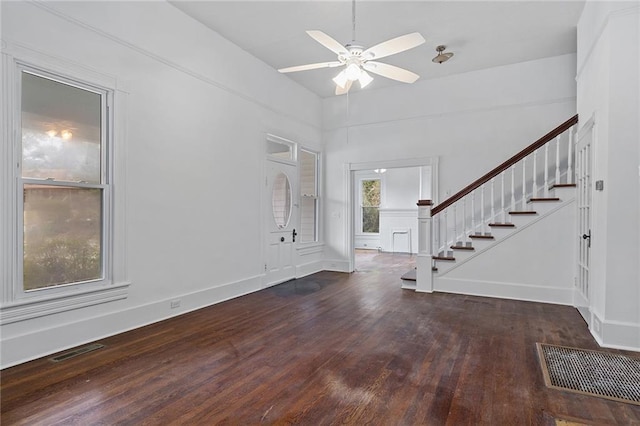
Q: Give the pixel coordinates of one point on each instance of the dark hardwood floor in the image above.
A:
(331, 348)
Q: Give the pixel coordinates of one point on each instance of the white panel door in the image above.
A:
(282, 218)
(583, 180)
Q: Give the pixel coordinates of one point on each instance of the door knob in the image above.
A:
(587, 237)
(282, 239)
(294, 233)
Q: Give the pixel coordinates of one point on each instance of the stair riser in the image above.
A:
(480, 244)
(563, 193)
(500, 232)
(521, 220)
(408, 285)
(541, 207)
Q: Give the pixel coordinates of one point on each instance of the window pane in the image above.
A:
(308, 219)
(371, 193)
(281, 200)
(62, 235)
(61, 131)
(279, 150)
(371, 219)
(308, 196)
(308, 173)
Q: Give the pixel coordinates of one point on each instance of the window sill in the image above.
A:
(310, 248)
(27, 309)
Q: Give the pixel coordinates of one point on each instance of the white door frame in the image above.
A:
(351, 196)
(582, 300)
(265, 200)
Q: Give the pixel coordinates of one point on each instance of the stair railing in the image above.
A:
(488, 200)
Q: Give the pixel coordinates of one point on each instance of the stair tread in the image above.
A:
(410, 276)
(444, 257)
(455, 247)
(523, 212)
(503, 225)
(536, 199)
(482, 237)
(563, 185)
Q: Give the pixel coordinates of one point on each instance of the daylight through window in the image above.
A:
(308, 196)
(370, 196)
(63, 182)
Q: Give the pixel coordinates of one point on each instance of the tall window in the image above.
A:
(63, 183)
(370, 205)
(308, 162)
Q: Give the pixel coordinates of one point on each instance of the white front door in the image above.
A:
(584, 161)
(282, 216)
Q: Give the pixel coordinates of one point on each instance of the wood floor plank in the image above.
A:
(330, 348)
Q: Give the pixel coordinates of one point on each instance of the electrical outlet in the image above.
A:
(175, 304)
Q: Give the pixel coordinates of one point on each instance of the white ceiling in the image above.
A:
(481, 34)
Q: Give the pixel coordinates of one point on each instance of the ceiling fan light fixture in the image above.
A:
(341, 79)
(358, 60)
(364, 79)
(353, 72)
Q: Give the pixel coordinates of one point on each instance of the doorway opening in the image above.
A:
(383, 211)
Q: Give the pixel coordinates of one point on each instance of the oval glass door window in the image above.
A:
(281, 200)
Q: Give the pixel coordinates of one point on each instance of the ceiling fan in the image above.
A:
(357, 60)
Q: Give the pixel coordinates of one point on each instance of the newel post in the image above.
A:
(424, 275)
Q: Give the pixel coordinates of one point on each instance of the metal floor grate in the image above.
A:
(602, 374)
(75, 352)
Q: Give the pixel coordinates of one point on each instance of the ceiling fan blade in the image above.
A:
(311, 66)
(393, 46)
(345, 89)
(328, 42)
(391, 71)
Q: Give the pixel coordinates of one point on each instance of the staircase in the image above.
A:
(535, 187)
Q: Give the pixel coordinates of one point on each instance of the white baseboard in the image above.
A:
(309, 268)
(336, 265)
(615, 334)
(30, 346)
(505, 290)
(582, 305)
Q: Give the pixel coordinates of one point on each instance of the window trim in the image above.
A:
(104, 185)
(16, 304)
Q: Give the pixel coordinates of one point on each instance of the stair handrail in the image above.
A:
(504, 166)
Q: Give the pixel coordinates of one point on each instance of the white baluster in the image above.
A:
(464, 221)
(557, 159)
(524, 182)
(446, 225)
(454, 240)
(513, 187)
(534, 185)
(504, 213)
(492, 200)
(436, 235)
(484, 229)
(473, 212)
(569, 169)
(546, 170)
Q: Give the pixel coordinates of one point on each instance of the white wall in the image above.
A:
(470, 121)
(197, 111)
(534, 262)
(399, 212)
(608, 74)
